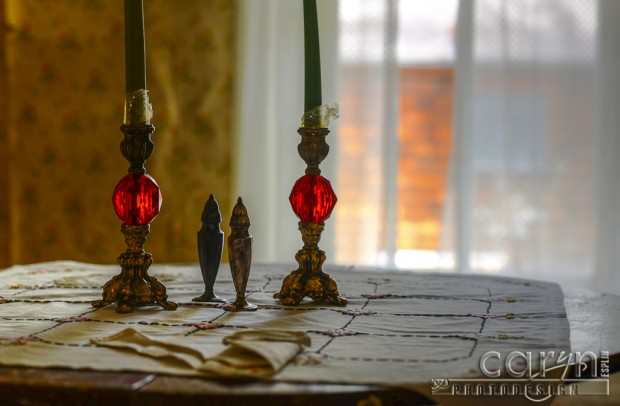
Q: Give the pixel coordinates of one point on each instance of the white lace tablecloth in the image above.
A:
(399, 328)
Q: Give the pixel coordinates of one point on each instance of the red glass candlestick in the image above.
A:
(312, 200)
(136, 200)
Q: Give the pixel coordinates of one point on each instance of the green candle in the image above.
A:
(135, 67)
(312, 55)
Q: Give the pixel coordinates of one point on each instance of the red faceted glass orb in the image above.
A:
(312, 198)
(136, 199)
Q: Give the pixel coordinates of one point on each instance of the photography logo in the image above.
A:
(535, 375)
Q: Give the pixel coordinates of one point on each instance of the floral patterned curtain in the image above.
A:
(62, 91)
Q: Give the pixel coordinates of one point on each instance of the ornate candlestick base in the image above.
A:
(309, 279)
(133, 287)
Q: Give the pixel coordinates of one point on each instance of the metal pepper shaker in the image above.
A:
(240, 256)
(210, 246)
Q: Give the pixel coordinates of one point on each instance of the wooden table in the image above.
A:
(593, 320)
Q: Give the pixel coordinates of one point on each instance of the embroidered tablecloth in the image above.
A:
(399, 328)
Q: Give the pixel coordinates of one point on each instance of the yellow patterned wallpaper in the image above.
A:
(64, 95)
(4, 144)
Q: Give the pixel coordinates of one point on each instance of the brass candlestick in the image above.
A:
(312, 199)
(136, 201)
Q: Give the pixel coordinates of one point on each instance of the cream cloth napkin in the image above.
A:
(250, 353)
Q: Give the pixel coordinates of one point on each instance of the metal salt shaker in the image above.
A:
(210, 246)
(240, 256)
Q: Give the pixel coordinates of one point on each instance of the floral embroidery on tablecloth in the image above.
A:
(46, 270)
(17, 341)
(338, 332)
(165, 277)
(309, 358)
(76, 281)
(20, 286)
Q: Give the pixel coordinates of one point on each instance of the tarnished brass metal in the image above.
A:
(133, 287)
(137, 146)
(313, 148)
(309, 279)
(240, 257)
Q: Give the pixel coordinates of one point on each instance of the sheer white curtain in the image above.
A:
(357, 41)
(607, 242)
(535, 183)
(367, 158)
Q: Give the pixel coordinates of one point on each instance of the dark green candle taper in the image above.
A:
(135, 69)
(312, 55)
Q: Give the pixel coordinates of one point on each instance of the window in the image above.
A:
(522, 196)
(395, 56)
